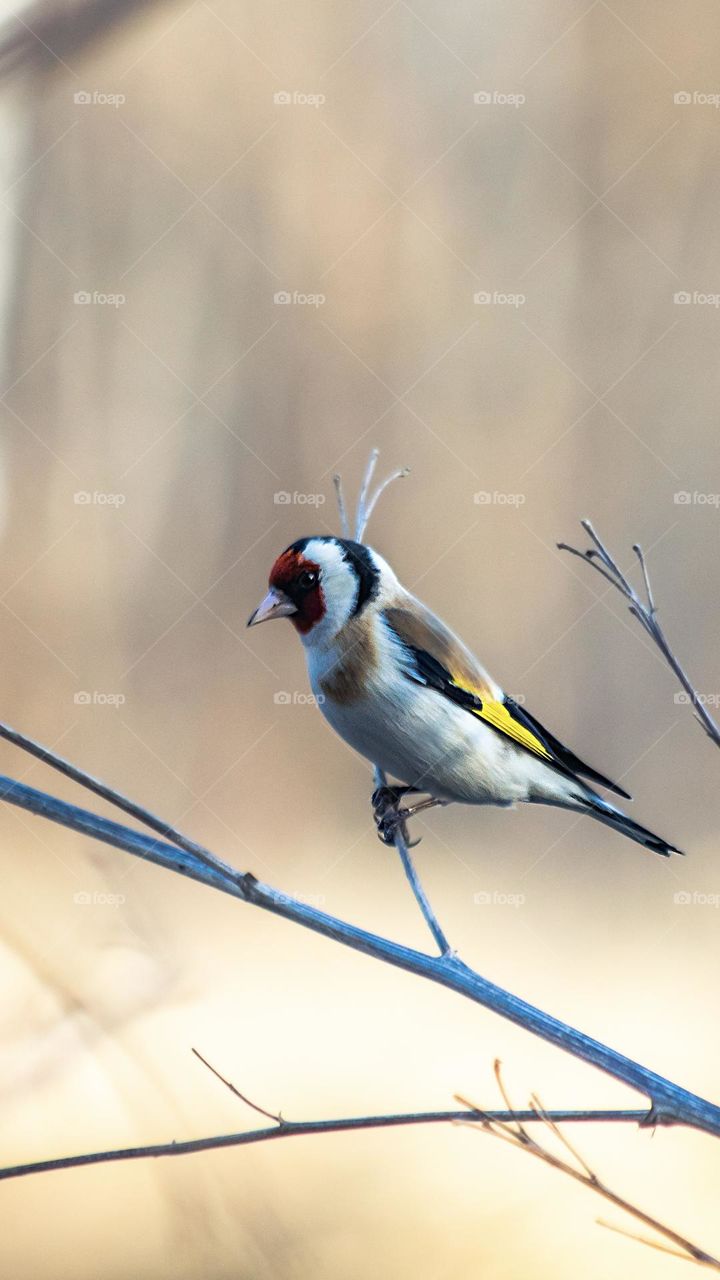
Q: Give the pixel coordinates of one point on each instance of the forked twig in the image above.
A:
(579, 1170)
(600, 559)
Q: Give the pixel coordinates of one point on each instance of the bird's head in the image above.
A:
(321, 583)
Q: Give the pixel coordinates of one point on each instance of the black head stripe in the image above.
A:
(368, 576)
(360, 561)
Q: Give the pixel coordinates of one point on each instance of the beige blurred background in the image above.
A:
(147, 166)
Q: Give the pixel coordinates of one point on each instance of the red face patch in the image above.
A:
(299, 579)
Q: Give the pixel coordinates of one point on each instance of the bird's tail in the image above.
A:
(592, 803)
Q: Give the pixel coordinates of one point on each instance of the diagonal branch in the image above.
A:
(600, 559)
(670, 1103)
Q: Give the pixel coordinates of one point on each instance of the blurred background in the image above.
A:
(241, 245)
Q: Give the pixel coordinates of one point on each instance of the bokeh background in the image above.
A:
(482, 215)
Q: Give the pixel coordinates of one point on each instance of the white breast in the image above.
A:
(418, 736)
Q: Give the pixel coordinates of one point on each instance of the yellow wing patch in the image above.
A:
(498, 715)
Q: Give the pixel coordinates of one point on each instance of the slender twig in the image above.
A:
(414, 881)
(361, 513)
(365, 507)
(670, 1103)
(600, 559)
(580, 1170)
(269, 1115)
(113, 797)
(303, 1128)
(396, 475)
(342, 509)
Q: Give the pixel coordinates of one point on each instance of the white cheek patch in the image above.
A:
(339, 585)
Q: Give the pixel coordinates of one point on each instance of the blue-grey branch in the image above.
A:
(670, 1104)
(303, 1128)
(600, 559)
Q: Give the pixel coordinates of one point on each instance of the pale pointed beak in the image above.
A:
(275, 605)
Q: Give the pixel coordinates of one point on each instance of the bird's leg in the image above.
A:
(430, 803)
(385, 797)
(386, 806)
(391, 818)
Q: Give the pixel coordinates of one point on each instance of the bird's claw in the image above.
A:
(390, 819)
(392, 824)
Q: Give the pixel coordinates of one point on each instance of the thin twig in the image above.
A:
(269, 1115)
(497, 1071)
(361, 514)
(290, 1129)
(552, 1126)
(342, 509)
(414, 880)
(646, 613)
(580, 1171)
(113, 797)
(670, 1103)
(395, 475)
(365, 507)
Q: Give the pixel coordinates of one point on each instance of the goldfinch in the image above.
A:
(404, 691)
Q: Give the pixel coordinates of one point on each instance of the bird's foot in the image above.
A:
(390, 818)
(384, 797)
(394, 823)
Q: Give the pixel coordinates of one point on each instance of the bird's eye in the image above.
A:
(307, 579)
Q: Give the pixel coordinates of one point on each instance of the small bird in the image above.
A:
(404, 691)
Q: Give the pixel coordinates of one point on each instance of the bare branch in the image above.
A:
(583, 1174)
(303, 1128)
(670, 1103)
(646, 614)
